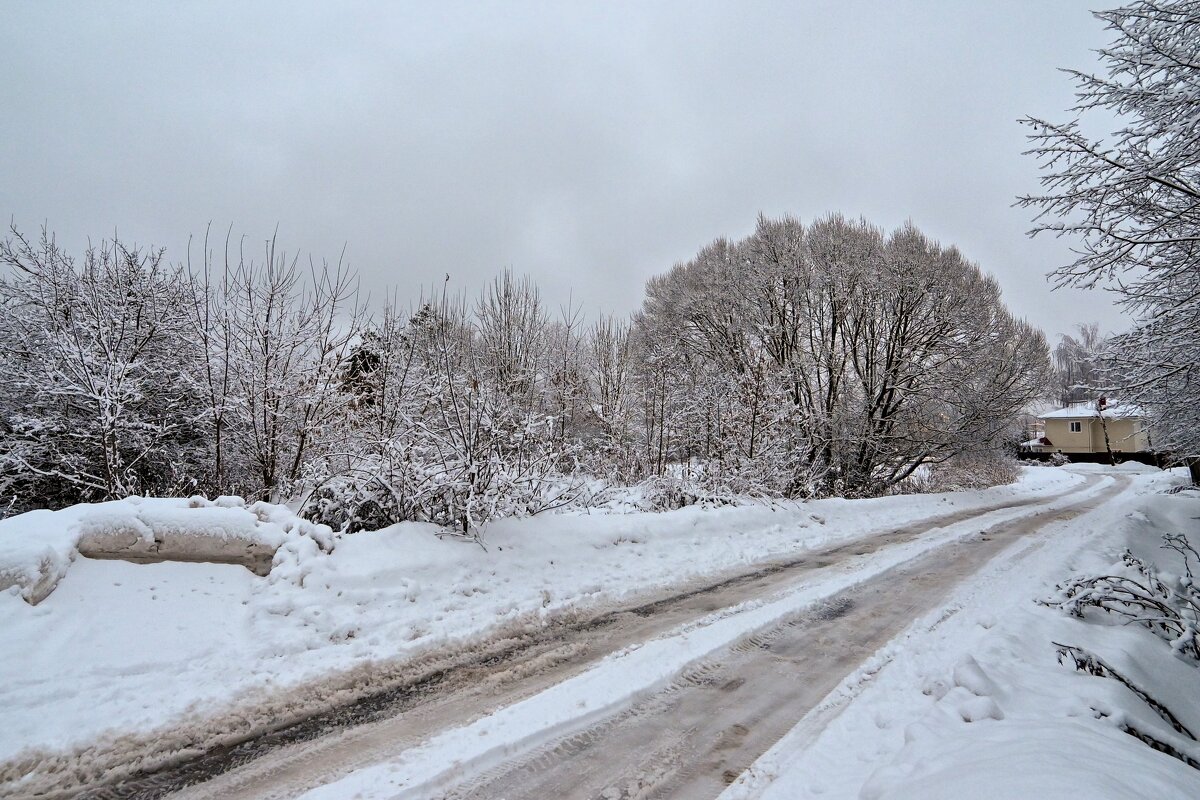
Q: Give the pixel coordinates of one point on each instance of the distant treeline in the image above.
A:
(801, 361)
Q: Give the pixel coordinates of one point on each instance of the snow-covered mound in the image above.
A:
(37, 548)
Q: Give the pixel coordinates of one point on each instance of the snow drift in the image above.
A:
(37, 548)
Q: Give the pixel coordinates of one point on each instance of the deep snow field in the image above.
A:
(120, 649)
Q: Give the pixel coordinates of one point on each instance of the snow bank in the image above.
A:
(37, 548)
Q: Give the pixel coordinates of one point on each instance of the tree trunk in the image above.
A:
(1107, 447)
(1193, 465)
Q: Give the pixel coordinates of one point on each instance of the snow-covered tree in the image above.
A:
(607, 364)
(96, 360)
(448, 418)
(513, 337)
(849, 356)
(1079, 364)
(1132, 204)
(209, 294)
(276, 339)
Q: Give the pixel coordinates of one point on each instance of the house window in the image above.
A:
(1076, 427)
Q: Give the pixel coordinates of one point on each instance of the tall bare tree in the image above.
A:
(854, 357)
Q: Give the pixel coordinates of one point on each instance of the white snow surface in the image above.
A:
(972, 702)
(1086, 410)
(37, 548)
(121, 648)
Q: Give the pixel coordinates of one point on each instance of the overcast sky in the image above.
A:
(590, 145)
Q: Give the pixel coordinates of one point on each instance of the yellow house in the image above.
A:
(1080, 428)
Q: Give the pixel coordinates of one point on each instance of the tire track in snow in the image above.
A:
(753, 693)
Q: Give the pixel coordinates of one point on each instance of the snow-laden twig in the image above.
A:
(1092, 664)
(1140, 598)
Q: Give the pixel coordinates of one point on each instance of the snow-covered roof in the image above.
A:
(1087, 410)
(1040, 441)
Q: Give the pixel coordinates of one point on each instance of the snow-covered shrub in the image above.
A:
(969, 471)
(352, 503)
(1138, 593)
(1059, 459)
(665, 493)
(1175, 739)
(669, 492)
(450, 423)
(491, 461)
(920, 482)
(977, 471)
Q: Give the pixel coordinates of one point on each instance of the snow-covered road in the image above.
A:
(684, 714)
(601, 673)
(672, 690)
(709, 723)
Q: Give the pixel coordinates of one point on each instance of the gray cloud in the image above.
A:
(590, 146)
